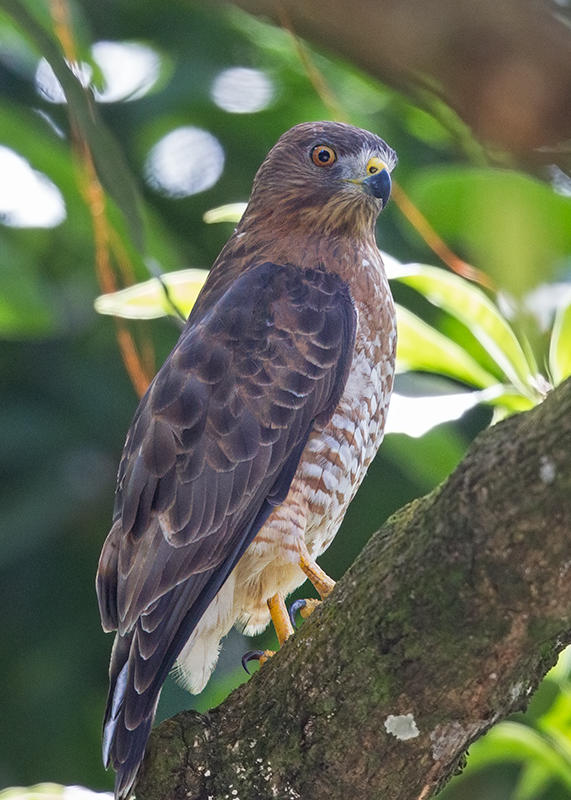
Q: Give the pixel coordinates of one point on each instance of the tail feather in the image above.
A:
(135, 681)
(124, 744)
(141, 658)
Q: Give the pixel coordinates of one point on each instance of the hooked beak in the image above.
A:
(379, 185)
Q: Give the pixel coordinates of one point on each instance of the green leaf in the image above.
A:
(24, 312)
(422, 347)
(560, 345)
(512, 741)
(149, 300)
(38, 10)
(504, 398)
(533, 780)
(474, 309)
(426, 460)
(514, 227)
(561, 672)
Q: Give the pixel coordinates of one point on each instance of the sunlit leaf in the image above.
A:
(52, 791)
(560, 346)
(422, 347)
(231, 212)
(415, 416)
(513, 403)
(472, 307)
(149, 300)
(561, 672)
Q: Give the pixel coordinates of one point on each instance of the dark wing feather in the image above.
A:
(213, 448)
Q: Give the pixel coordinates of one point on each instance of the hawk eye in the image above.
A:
(323, 155)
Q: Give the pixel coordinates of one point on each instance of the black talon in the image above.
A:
(296, 606)
(251, 655)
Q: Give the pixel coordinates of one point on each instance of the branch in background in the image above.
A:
(108, 246)
(503, 67)
(444, 625)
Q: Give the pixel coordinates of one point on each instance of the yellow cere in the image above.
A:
(375, 165)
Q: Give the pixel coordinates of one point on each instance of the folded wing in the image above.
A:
(212, 449)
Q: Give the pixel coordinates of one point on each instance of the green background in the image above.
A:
(67, 401)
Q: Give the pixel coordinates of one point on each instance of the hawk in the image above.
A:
(256, 432)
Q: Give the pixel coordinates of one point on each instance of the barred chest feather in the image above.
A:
(335, 459)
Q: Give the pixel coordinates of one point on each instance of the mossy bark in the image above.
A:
(445, 624)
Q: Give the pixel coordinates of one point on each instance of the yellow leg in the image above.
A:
(320, 579)
(278, 610)
(280, 618)
(284, 630)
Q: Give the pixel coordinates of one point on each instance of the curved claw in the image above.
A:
(251, 655)
(256, 655)
(296, 606)
(305, 608)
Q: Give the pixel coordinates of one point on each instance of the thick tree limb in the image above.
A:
(446, 623)
(503, 67)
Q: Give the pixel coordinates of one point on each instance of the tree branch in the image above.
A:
(503, 67)
(445, 624)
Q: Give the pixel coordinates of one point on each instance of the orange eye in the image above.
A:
(323, 155)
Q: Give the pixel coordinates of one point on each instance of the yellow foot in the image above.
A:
(308, 606)
(305, 608)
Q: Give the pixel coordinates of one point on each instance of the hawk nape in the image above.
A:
(255, 434)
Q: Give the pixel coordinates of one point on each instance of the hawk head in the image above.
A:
(323, 176)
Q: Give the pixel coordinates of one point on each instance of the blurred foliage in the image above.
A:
(67, 400)
(52, 791)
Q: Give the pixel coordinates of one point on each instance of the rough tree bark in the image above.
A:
(502, 66)
(445, 624)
